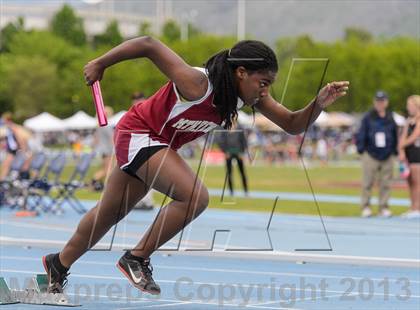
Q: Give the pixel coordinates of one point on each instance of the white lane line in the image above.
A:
(145, 300)
(279, 255)
(268, 273)
(75, 275)
(299, 299)
(344, 227)
(277, 308)
(158, 299)
(169, 304)
(4, 240)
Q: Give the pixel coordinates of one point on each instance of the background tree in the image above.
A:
(30, 85)
(111, 36)
(171, 31)
(145, 29)
(43, 70)
(67, 59)
(67, 25)
(45, 44)
(391, 65)
(357, 34)
(193, 31)
(9, 31)
(6, 103)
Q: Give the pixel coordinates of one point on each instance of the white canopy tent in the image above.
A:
(341, 119)
(80, 120)
(114, 119)
(335, 119)
(44, 122)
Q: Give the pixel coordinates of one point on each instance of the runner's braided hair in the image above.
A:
(254, 56)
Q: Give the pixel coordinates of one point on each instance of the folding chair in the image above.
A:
(67, 190)
(22, 185)
(40, 188)
(16, 166)
(10, 189)
(38, 162)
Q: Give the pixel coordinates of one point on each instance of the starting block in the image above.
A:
(6, 297)
(36, 294)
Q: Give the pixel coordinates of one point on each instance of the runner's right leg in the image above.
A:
(121, 193)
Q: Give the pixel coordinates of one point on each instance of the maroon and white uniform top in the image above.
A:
(164, 119)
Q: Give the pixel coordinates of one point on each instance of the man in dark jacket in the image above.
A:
(377, 142)
(234, 144)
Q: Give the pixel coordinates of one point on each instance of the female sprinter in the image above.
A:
(193, 102)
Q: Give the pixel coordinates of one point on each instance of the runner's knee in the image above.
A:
(201, 200)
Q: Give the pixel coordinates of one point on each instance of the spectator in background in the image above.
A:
(3, 144)
(25, 138)
(234, 144)
(409, 150)
(322, 150)
(15, 139)
(377, 142)
(104, 147)
(75, 140)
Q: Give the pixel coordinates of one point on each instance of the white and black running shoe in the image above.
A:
(139, 272)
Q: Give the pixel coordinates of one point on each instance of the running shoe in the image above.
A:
(366, 212)
(139, 272)
(386, 213)
(57, 280)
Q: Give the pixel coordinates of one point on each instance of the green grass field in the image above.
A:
(280, 178)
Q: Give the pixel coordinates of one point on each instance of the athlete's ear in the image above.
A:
(241, 72)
